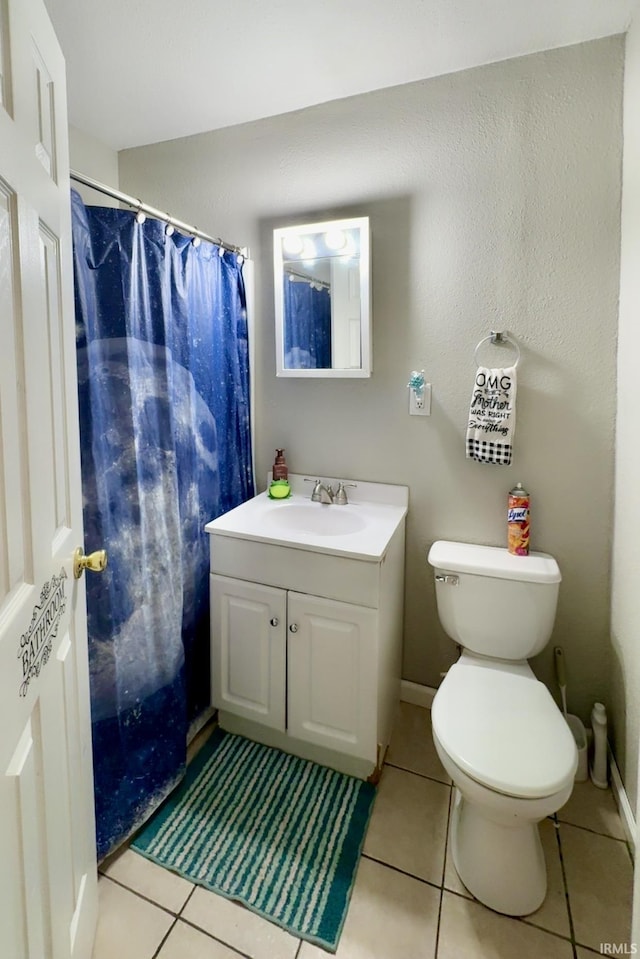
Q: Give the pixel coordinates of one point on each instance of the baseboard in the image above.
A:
(416, 694)
(622, 802)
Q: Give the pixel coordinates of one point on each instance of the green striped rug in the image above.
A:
(280, 834)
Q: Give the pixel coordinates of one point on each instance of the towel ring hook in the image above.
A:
(498, 337)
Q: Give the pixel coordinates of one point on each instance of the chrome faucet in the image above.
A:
(322, 494)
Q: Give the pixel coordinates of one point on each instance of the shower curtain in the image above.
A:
(307, 310)
(165, 444)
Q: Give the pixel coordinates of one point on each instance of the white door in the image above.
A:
(48, 881)
(332, 668)
(248, 650)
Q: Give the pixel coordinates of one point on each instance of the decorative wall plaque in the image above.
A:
(37, 643)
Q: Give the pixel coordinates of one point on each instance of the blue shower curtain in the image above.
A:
(307, 310)
(165, 444)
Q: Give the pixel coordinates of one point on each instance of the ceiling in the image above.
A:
(150, 70)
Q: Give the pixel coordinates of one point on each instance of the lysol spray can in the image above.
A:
(518, 521)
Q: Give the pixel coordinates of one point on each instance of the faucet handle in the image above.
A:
(340, 498)
(315, 496)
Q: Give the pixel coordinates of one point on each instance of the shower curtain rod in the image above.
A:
(307, 278)
(141, 207)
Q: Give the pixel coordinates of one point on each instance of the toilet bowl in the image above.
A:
(496, 728)
(503, 741)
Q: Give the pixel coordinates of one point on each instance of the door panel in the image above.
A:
(248, 655)
(5, 58)
(45, 106)
(15, 532)
(50, 272)
(48, 877)
(24, 778)
(331, 659)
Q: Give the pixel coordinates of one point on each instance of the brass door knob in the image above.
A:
(96, 562)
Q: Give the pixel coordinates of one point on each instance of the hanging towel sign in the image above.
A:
(492, 416)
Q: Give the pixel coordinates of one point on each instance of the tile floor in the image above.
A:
(408, 902)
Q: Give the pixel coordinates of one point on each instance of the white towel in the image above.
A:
(492, 416)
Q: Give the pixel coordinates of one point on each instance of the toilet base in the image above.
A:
(501, 863)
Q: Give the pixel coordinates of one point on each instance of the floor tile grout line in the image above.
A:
(526, 921)
(502, 915)
(403, 872)
(222, 942)
(444, 871)
(572, 931)
(468, 898)
(594, 832)
(189, 897)
(179, 916)
(414, 772)
(164, 938)
(141, 895)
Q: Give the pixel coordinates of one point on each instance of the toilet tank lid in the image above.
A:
(494, 561)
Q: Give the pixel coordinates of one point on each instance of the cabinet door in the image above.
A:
(332, 666)
(248, 650)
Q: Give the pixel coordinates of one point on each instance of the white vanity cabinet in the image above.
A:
(248, 650)
(262, 637)
(306, 634)
(331, 692)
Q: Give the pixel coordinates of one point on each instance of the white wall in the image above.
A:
(494, 202)
(625, 619)
(95, 159)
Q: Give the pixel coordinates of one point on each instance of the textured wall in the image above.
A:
(625, 621)
(95, 159)
(494, 201)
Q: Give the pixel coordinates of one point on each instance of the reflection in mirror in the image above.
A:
(322, 299)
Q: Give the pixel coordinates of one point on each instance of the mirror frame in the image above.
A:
(354, 223)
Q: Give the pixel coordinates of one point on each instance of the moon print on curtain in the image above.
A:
(165, 436)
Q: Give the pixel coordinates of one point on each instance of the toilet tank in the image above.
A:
(495, 603)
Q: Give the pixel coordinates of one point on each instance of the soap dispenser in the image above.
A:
(280, 470)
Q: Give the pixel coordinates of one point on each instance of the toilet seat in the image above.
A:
(501, 726)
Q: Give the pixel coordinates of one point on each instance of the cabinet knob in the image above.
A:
(274, 621)
(293, 628)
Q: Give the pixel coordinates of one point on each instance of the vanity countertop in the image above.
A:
(361, 530)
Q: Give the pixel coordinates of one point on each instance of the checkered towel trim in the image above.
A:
(485, 452)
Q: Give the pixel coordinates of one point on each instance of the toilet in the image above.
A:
(497, 730)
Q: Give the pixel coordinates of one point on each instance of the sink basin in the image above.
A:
(362, 529)
(315, 518)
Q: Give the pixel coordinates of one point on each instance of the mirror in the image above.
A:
(323, 299)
